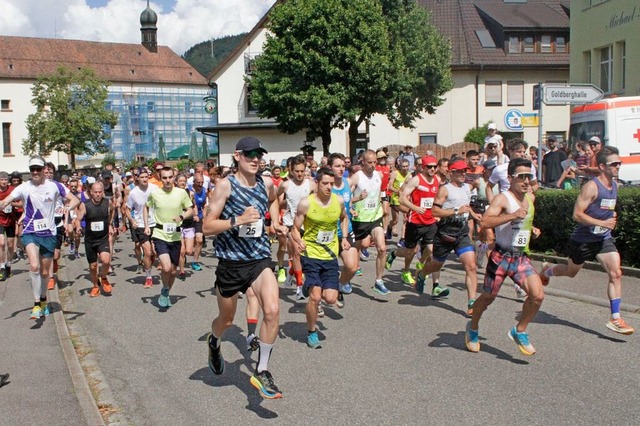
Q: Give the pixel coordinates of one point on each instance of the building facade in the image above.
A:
(606, 35)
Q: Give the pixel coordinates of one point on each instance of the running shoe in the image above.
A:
(95, 291)
(471, 339)
(470, 306)
(420, 283)
(364, 254)
(346, 289)
(299, 294)
(36, 312)
(7, 272)
(51, 284)
(545, 279)
(106, 286)
(520, 293)
(313, 341)
(196, 266)
(164, 301)
(401, 243)
(390, 258)
(148, 282)
(263, 381)
(72, 248)
(253, 343)
(359, 272)
(522, 340)
(439, 292)
(320, 310)
(45, 310)
(282, 276)
(380, 288)
(340, 301)
(2, 276)
(216, 361)
(77, 255)
(619, 326)
(407, 278)
(182, 276)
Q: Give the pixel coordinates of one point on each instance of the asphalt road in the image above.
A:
(398, 359)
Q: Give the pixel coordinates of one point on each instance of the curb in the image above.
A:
(593, 266)
(101, 400)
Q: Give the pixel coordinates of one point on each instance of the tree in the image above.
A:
(327, 65)
(70, 116)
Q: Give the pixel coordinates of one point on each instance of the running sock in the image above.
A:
(264, 354)
(43, 302)
(165, 291)
(252, 323)
(615, 308)
(36, 284)
(214, 341)
(298, 275)
(148, 272)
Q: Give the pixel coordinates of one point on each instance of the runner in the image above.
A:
(39, 229)
(385, 173)
(49, 173)
(595, 212)
(74, 237)
(199, 193)
(188, 232)
(236, 214)
(451, 205)
(166, 205)
(396, 180)
(511, 214)
(134, 208)
(320, 214)
(7, 229)
(97, 213)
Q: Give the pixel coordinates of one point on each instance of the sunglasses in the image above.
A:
(523, 176)
(430, 166)
(35, 169)
(253, 154)
(614, 163)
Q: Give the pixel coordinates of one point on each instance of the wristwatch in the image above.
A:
(232, 221)
(455, 210)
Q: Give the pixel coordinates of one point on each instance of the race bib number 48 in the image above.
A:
(252, 230)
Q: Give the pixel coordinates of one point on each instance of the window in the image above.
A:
(6, 138)
(545, 44)
(187, 106)
(5, 105)
(426, 138)
(623, 65)
(515, 93)
(606, 65)
(561, 44)
(493, 93)
(251, 108)
(187, 127)
(529, 45)
(514, 44)
(587, 60)
(151, 106)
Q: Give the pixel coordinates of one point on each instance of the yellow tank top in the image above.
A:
(398, 181)
(321, 229)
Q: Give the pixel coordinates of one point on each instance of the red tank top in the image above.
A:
(6, 216)
(423, 196)
(386, 173)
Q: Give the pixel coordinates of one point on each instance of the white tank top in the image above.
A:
(293, 195)
(515, 235)
(369, 209)
(458, 196)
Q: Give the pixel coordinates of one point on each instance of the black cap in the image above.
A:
(249, 143)
(107, 174)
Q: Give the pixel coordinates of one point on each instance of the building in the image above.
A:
(604, 33)
(154, 91)
(501, 49)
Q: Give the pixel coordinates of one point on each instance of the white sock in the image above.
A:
(265, 354)
(36, 284)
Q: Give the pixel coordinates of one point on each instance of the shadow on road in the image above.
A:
(456, 341)
(546, 318)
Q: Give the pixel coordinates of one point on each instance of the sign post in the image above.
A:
(540, 88)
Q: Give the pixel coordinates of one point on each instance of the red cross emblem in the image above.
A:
(637, 135)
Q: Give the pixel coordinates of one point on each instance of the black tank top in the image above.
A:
(97, 220)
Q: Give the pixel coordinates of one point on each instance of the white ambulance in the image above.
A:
(617, 122)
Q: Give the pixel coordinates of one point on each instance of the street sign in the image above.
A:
(571, 94)
(536, 97)
(513, 120)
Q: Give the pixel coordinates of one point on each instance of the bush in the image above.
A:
(477, 134)
(554, 217)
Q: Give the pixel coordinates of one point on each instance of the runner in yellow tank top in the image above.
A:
(318, 250)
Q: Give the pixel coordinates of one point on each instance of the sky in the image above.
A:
(181, 23)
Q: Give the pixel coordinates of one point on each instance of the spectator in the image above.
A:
(552, 162)
(410, 156)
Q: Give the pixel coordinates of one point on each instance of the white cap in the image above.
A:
(191, 171)
(36, 161)
(128, 174)
(492, 126)
(495, 140)
(91, 180)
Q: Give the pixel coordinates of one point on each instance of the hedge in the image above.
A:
(554, 217)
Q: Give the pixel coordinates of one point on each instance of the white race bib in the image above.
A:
(252, 230)
(521, 238)
(324, 237)
(426, 203)
(169, 228)
(608, 204)
(8, 209)
(370, 204)
(97, 226)
(599, 229)
(40, 224)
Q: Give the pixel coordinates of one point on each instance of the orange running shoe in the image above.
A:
(106, 287)
(95, 291)
(52, 284)
(148, 283)
(619, 326)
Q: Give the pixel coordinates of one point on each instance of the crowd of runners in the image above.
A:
(322, 219)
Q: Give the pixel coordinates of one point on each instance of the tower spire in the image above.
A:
(148, 21)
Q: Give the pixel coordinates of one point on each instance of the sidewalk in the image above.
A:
(41, 388)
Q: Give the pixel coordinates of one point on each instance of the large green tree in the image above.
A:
(334, 63)
(71, 115)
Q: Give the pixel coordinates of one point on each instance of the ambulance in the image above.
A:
(616, 121)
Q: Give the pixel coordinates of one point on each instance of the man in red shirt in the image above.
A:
(385, 172)
(7, 229)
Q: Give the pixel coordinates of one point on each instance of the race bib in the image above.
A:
(324, 237)
(426, 203)
(252, 230)
(599, 229)
(370, 204)
(40, 224)
(169, 227)
(97, 226)
(8, 209)
(521, 238)
(608, 204)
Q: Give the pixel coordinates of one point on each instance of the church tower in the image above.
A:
(148, 21)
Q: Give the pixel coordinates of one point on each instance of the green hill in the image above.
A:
(206, 56)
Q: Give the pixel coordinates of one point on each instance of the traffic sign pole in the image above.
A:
(541, 90)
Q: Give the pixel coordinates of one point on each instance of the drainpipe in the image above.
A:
(478, 95)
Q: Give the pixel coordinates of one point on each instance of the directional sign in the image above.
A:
(563, 94)
(513, 120)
